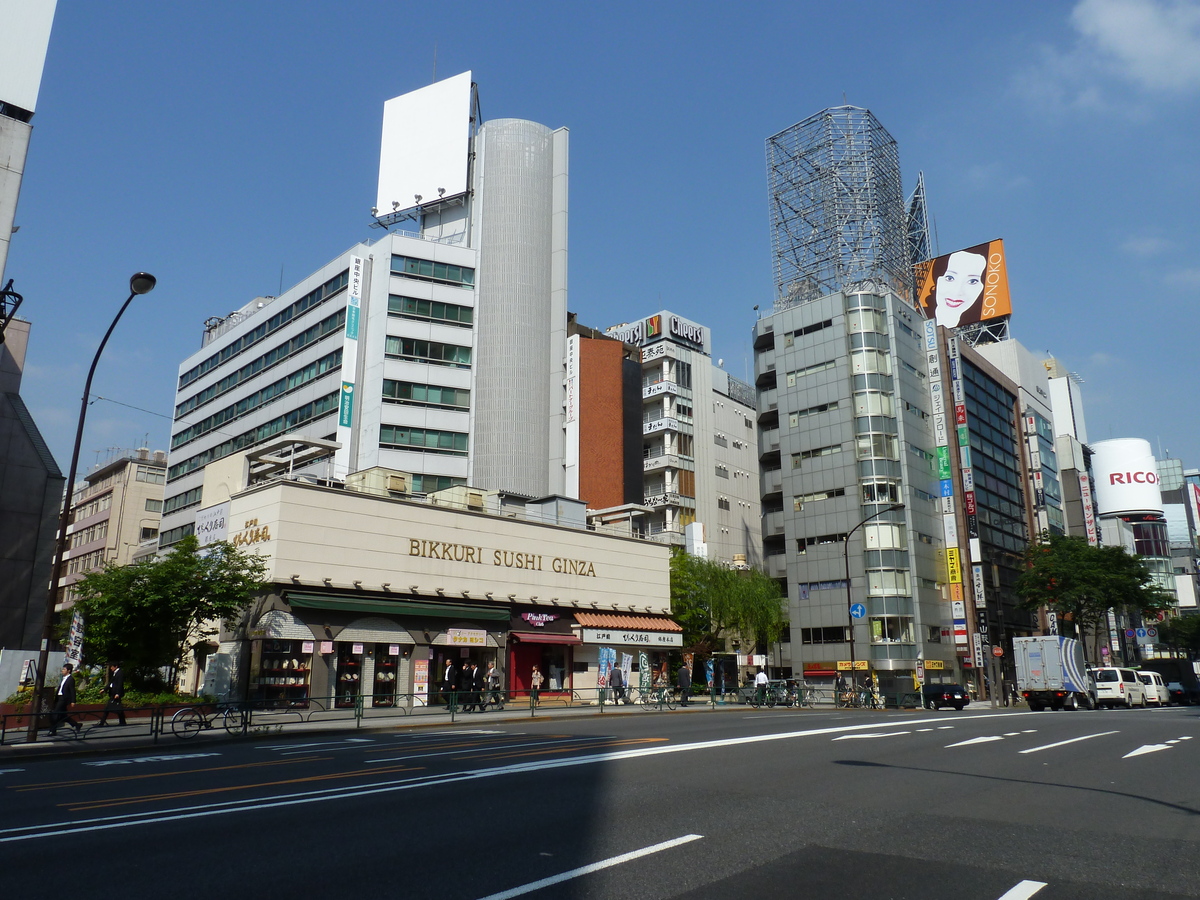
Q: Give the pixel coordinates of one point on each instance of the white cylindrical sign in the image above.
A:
(1126, 477)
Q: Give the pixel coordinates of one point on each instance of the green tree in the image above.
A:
(1081, 583)
(713, 601)
(152, 613)
(1181, 633)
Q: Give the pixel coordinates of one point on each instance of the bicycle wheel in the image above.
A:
(843, 700)
(669, 699)
(235, 720)
(187, 723)
(645, 699)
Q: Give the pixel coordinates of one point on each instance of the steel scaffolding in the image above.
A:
(837, 207)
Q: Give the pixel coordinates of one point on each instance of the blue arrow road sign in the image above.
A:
(858, 610)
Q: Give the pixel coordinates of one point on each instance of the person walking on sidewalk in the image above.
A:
(535, 681)
(63, 700)
(115, 688)
(685, 684)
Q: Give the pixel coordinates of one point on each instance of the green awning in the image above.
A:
(396, 607)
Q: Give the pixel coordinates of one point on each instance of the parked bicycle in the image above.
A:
(657, 698)
(191, 720)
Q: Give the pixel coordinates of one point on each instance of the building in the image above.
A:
(115, 513)
(437, 353)
(373, 593)
(694, 433)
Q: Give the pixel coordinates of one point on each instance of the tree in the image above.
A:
(153, 613)
(1081, 583)
(1181, 633)
(713, 601)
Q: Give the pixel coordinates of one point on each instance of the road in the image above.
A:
(696, 804)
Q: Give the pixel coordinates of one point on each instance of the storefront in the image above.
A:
(545, 639)
(281, 654)
(638, 645)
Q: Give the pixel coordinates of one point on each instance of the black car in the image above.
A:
(938, 695)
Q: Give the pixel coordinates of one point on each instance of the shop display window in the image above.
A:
(348, 681)
(387, 668)
(283, 672)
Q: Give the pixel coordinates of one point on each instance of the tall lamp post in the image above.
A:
(140, 283)
(895, 507)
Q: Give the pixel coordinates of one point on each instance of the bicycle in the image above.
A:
(810, 696)
(763, 696)
(658, 697)
(190, 721)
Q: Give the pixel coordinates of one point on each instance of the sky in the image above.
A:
(232, 148)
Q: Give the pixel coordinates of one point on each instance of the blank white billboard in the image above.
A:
(423, 153)
(24, 37)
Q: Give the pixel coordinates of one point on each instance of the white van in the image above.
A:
(1156, 688)
(1118, 687)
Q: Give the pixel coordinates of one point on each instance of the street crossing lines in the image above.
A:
(1086, 737)
(1023, 891)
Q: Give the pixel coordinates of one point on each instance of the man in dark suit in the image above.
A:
(685, 684)
(115, 688)
(449, 683)
(63, 700)
(472, 684)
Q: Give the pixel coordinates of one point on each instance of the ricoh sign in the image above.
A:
(1126, 477)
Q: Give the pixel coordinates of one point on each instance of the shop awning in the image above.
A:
(626, 623)
(396, 607)
(532, 637)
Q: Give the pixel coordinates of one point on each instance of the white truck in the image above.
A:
(1051, 672)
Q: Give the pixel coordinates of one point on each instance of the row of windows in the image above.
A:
(97, 532)
(286, 422)
(261, 397)
(96, 505)
(85, 563)
(802, 544)
(810, 370)
(183, 501)
(790, 337)
(150, 475)
(433, 310)
(795, 417)
(434, 271)
(426, 394)
(272, 357)
(915, 410)
(835, 635)
(814, 454)
(428, 352)
(722, 503)
(815, 497)
(153, 505)
(406, 438)
(275, 322)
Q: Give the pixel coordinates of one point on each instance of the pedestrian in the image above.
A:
(492, 683)
(535, 683)
(63, 699)
(449, 683)
(115, 688)
(685, 684)
(760, 685)
(616, 680)
(471, 684)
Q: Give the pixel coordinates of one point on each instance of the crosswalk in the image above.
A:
(1011, 737)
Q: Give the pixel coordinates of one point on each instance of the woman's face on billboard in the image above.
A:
(959, 288)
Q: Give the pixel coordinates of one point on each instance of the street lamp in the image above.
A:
(895, 507)
(139, 283)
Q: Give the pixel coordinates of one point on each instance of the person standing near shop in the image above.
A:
(472, 684)
(115, 688)
(616, 681)
(685, 684)
(492, 685)
(448, 683)
(63, 700)
(760, 685)
(535, 683)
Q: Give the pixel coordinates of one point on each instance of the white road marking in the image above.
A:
(1029, 731)
(289, 747)
(1147, 748)
(1011, 733)
(979, 740)
(147, 759)
(945, 728)
(924, 729)
(492, 748)
(8, 771)
(1023, 891)
(1176, 741)
(1188, 738)
(1069, 741)
(858, 737)
(593, 867)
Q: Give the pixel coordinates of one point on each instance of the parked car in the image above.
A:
(938, 695)
(1118, 687)
(1156, 690)
(1182, 695)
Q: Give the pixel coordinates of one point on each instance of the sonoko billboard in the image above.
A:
(1126, 477)
(966, 286)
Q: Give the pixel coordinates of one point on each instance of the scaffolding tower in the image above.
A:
(837, 207)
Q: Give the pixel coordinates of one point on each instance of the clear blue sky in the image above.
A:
(222, 145)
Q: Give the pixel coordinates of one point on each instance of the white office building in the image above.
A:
(436, 352)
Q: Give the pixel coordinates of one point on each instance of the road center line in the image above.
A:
(1024, 890)
(1086, 737)
(593, 867)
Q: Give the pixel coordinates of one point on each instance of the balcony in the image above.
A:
(773, 523)
(660, 389)
(768, 442)
(660, 462)
(770, 481)
(765, 339)
(768, 401)
(776, 565)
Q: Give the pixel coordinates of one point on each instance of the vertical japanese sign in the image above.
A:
(345, 429)
(75, 640)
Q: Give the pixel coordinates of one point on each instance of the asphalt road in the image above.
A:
(694, 804)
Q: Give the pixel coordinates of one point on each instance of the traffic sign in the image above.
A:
(997, 650)
(858, 610)
(1151, 632)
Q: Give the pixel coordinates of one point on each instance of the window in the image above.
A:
(817, 452)
(426, 394)
(149, 534)
(154, 506)
(428, 351)
(722, 503)
(683, 374)
(817, 496)
(150, 475)
(794, 376)
(892, 630)
(873, 403)
(429, 270)
(876, 361)
(794, 418)
(809, 329)
(888, 583)
(432, 310)
(881, 492)
(401, 437)
(182, 501)
(722, 471)
(884, 536)
(308, 301)
(876, 446)
(802, 544)
(835, 635)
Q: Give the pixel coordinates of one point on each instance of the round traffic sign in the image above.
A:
(1151, 632)
(997, 650)
(858, 610)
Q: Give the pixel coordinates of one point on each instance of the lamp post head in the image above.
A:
(142, 283)
(895, 507)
